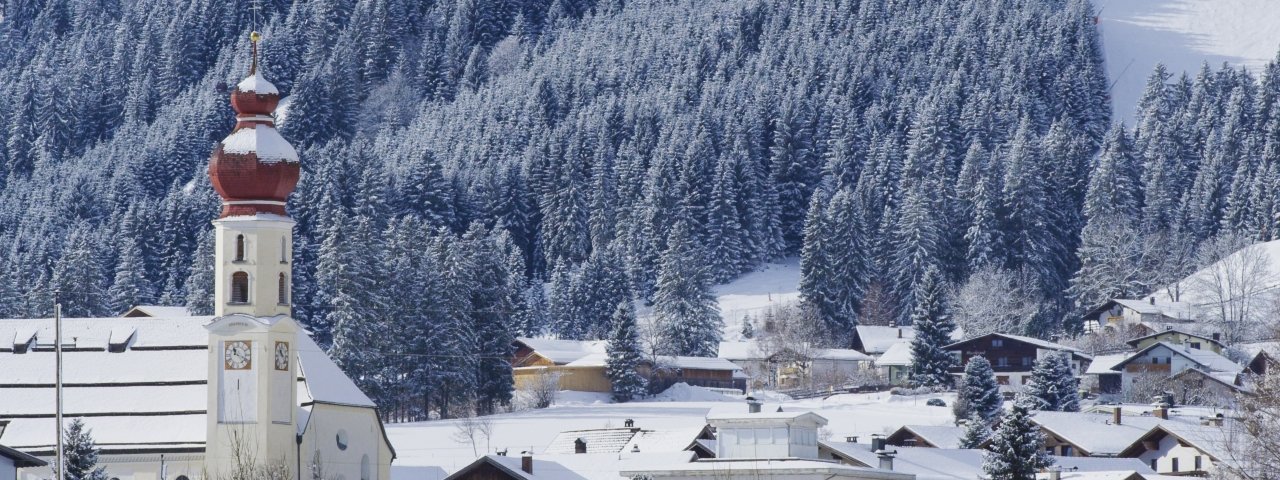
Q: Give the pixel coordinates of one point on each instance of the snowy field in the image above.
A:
(772, 284)
(430, 451)
(1183, 34)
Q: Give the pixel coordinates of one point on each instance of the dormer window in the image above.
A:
(239, 248)
(240, 287)
(284, 290)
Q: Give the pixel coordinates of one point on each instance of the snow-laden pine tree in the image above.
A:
(1017, 448)
(931, 363)
(80, 454)
(130, 287)
(1053, 386)
(977, 431)
(684, 306)
(748, 328)
(201, 277)
(624, 355)
(979, 392)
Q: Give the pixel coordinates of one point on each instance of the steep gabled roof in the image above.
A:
(937, 436)
(1036, 342)
(1094, 434)
(1136, 341)
(1210, 361)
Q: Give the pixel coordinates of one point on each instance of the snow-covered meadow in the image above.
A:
(1182, 34)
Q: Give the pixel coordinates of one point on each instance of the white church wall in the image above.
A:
(359, 430)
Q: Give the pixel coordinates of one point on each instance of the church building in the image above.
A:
(171, 396)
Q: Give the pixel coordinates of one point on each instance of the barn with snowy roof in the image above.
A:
(172, 396)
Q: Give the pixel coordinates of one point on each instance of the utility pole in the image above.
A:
(57, 349)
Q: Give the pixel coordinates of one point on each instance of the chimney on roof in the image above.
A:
(1160, 409)
(1217, 337)
(1168, 328)
(1116, 416)
(886, 459)
(1151, 300)
(1055, 473)
(526, 462)
(877, 442)
(1214, 421)
(899, 332)
(753, 405)
(851, 439)
(629, 423)
(579, 446)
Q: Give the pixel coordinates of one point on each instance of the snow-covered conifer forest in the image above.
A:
(476, 170)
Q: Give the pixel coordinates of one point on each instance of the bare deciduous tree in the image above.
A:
(1236, 289)
(993, 300)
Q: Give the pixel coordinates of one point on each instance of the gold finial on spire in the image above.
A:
(254, 38)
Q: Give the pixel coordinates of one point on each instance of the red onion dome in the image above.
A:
(254, 169)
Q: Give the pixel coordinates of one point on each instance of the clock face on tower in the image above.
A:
(282, 355)
(237, 355)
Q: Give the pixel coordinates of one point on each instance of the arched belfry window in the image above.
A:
(239, 248)
(240, 287)
(284, 290)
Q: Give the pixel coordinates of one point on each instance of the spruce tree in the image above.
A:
(80, 454)
(200, 280)
(130, 287)
(979, 391)
(1053, 386)
(931, 363)
(624, 355)
(1017, 448)
(748, 329)
(684, 305)
(976, 432)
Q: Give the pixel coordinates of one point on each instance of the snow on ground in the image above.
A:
(771, 284)
(432, 450)
(1183, 34)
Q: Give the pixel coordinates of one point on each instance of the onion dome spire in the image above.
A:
(254, 169)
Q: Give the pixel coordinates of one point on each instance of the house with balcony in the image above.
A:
(1013, 356)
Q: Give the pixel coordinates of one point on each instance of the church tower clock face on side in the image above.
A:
(238, 355)
(282, 356)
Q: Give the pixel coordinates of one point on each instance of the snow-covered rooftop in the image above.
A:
(1093, 433)
(263, 141)
(562, 351)
(604, 440)
(941, 436)
(750, 350)
(924, 463)
(878, 339)
(898, 354)
(1105, 364)
(257, 84)
(155, 391)
(1205, 358)
(768, 468)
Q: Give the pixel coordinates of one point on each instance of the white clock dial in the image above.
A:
(238, 355)
(282, 356)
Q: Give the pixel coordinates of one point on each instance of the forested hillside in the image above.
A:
(459, 154)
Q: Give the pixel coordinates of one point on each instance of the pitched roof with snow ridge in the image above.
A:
(152, 394)
(1205, 358)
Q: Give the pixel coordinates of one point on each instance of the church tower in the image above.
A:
(253, 403)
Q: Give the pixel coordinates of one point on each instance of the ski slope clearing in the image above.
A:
(1182, 34)
(432, 450)
(772, 284)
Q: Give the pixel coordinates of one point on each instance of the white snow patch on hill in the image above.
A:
(1182, 34)
(772, 284)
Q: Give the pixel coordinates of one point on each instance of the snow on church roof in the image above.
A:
(263, 141)
(153, 394)
(325, 381)
(257, 84)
